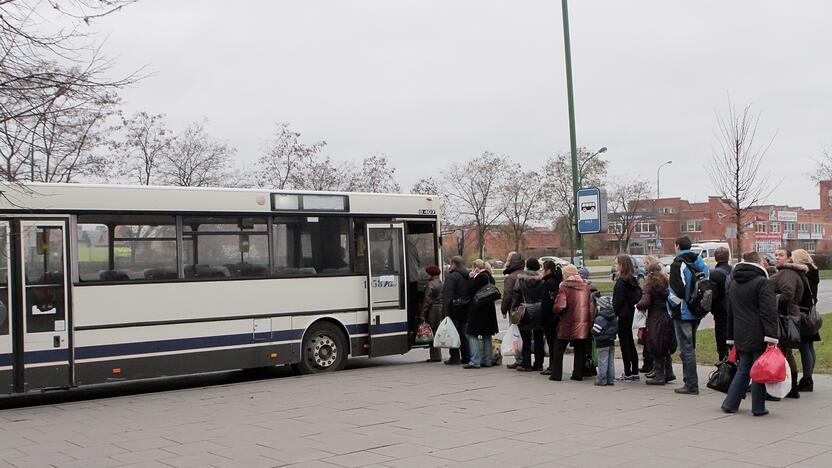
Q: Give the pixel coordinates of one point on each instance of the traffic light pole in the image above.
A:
(576, 181)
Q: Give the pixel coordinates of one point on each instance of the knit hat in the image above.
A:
(433, 270)
(604, 302)
(584, 272)
(570, 270)
(532, 264)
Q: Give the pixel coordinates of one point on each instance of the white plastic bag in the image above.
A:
(781, 389)
(446, 335)
(639, 319)
(512, 342)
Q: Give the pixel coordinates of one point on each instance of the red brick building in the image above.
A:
(765, 228)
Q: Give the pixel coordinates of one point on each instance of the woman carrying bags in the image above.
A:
(432, 306)
(807, 338)
(482, 319)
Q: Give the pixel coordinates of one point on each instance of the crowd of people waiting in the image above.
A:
(558, 306)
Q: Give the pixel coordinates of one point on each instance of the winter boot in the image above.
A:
(659, 369)
(794, 393)
(669, 376)
(806, 385)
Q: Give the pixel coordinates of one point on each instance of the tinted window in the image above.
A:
(309, 246)
(223, 247)
(125, 248)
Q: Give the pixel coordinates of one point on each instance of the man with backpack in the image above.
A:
(690, 298)
(721, 276)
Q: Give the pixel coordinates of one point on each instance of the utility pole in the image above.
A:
(572, 139)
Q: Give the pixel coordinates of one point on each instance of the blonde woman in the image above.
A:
(482, 319)
(807, 342)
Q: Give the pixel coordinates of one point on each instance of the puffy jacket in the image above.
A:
(456, 287)
(575, 306)
(529, 289)
(512, 271)
(660, 339)
(721, 275)
(788, 285)
(605, 327)
(752, 308)
(625, 295)
(680, 283)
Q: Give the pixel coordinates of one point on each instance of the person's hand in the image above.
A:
(771, 340)
(729, 342)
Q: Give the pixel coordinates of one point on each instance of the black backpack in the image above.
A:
(702, 293)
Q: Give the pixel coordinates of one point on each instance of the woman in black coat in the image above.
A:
(752, 325)
(807, 341)
(552, 277)
(625, 295)
(482, 320)
(660, 338)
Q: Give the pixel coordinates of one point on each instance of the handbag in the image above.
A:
(486, 294)
(810, 321)
(721, 378)
(518, 314)
(789, 332)
(424, 335)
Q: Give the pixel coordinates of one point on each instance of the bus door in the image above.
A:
(386, 292)
(41, 316)
(6, 355)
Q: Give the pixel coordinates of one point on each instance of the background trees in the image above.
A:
(735, 166)
(627, 201)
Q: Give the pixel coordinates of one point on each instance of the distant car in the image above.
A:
(496, 263)
(666, 261)
(638, 261)
(557, 260)
(769, 257)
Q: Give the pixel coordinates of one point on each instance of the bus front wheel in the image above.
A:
(324, 349)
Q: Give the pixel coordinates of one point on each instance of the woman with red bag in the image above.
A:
(752, 323)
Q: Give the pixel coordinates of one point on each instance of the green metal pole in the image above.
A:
(576, 181)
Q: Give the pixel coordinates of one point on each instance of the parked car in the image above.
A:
(496, 263)
(666, 261)
(557, 260)
(638, 261)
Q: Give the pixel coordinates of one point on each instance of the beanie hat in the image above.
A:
(570, 270)
(433, 270)
(584, 272)
(532, 264)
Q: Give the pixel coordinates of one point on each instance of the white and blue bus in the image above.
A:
(103, 283)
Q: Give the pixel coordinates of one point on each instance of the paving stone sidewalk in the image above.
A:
(407, 413)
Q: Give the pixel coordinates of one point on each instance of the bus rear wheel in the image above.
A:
(324, 349)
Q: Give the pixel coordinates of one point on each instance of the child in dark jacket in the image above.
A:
(604, 331)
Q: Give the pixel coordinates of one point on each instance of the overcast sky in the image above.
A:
(428, 82)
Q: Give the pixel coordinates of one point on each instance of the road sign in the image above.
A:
(592, 210)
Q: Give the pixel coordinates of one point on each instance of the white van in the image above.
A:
(706, 250)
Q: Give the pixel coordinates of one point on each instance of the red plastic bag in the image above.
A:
(732, 355)
(770, 367)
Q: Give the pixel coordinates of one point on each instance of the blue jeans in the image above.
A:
(480, 355)
(686, 337)
(740, 384)
(606, 365)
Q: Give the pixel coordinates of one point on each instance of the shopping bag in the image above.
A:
(512, 344)
(640, 319)
(732, 355)
(721, 378)
(424, 335)
(446, 335)
(770, 367)
(781, 389)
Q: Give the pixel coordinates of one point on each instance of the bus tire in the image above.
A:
(323, 349)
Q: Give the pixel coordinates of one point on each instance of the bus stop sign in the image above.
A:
(592, 210)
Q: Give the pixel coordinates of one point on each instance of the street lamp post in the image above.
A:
(658, 196)
(658, 180)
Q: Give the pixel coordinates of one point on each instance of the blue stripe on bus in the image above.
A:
(183, 344)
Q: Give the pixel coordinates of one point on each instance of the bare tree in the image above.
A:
(323, 173)
(521, 202)
(197, 160)
(735, 166)
(284, 158)
(473, 191)
(557, 186)
(426, 186)
(823, 165)
(143, 147)
(627, 203)
(376, 176)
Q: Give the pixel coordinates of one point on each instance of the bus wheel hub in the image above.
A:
(324, 351)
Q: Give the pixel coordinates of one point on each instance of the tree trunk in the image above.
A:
(739, 234)
(481, 240)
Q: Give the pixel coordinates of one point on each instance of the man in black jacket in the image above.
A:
(455, 301)
(752, 325)
(721, 275)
